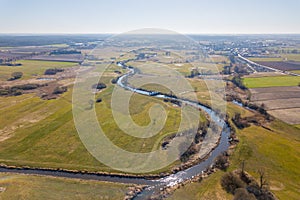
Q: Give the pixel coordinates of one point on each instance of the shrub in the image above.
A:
(230, 182)
(17, 93)
(60, 90)
(53, 71)
(15, 76)
(115, 80)
(25, 87)
(99, 86)
(243, 194)
(98, 100)
(238, 82)
(239, 121)
(221, 161)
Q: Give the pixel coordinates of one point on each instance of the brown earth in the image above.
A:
(285, 66)
(281, 102)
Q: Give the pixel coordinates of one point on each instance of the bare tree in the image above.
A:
(262, 178)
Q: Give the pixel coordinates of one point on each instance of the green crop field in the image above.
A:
(273, 81)
(16, 186)
(31, 68)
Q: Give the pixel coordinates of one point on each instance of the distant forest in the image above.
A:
(39, 40)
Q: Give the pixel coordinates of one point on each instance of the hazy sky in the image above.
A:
(117, 16)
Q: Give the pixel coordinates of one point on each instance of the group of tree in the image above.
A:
(244, 187)
(115, 80)
(227, 69)
(17, 89)
(239, 122)
(237, 80)
(15, 76)
(60, 90)
(60, 52)
(99, 86)
(53, 71)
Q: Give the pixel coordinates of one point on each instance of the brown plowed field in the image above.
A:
(285, 66)
(281, 102)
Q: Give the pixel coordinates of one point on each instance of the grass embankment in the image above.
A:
(18, 186)
(277, 152)
(31, 68)
(274, 81)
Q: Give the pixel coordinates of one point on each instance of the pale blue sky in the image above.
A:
(117, 16)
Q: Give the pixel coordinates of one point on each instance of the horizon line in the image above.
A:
(128, 33)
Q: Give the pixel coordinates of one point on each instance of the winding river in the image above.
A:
(154, 185)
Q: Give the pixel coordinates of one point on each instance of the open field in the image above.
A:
(46, 135)
(31, 68)
(276, 104)
(290, 116)
(77, 58)
(281, 102)
(17, 186)
(296, 71)
(274, 81)
(284, 66)
(271, 93)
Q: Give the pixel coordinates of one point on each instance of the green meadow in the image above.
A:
(31, 68)
(272, 81)
(277, 152)
(17, 186)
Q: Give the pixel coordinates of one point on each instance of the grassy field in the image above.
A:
(271, 81)
(297, 126)
(41, 133)
(277, 152)
(296, 71)
(18, 186)
(31, 68)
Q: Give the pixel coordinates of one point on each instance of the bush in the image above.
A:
(221, 161)
(15, 76)
(60, 90)
(25, 87)
(99, 86)
(98, 100)
(4, 92)
(17, 93)
(239, 121)
(238, 82)
(243, 194)
(230, 182)
(53, 71)
(115, 80)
